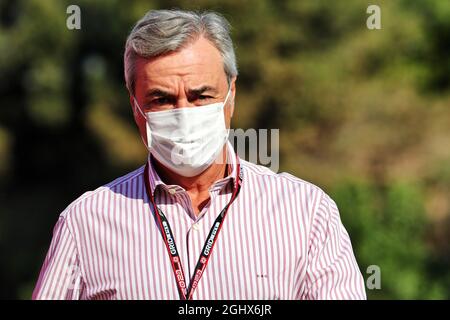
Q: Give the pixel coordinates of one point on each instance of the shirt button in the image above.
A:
(195, 226)
(172, 191)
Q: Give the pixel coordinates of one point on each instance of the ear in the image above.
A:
(232, 95)
(139, 119)
(136, 114)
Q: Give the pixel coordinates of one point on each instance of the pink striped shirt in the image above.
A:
(282, 239)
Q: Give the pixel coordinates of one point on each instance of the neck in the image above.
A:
(197, 184)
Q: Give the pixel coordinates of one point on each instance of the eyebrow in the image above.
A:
(158, 93)
(203, 89)
(192, 92)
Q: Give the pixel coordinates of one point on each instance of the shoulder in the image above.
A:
(287, 187)
(122, 187)
(283, 180)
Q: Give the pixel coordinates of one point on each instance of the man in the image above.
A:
(196, 222)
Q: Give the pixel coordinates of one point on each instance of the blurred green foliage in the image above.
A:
(388, 228)
(362, 113)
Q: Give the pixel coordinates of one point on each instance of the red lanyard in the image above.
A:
(166, 231)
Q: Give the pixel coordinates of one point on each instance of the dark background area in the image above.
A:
(362, 113)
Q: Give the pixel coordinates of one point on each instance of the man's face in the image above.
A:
(191, 77)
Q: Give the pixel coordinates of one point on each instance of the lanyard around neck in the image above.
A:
(167, 234)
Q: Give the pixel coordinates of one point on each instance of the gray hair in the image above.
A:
(163, 31)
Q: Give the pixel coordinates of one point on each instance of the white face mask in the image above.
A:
(187, 140)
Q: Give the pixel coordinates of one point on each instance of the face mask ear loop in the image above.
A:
(136, 106)
(226, 98)
(224, 103)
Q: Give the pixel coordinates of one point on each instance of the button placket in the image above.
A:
(192, 239)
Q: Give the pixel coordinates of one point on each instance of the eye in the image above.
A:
(160, 101)
(204, 97)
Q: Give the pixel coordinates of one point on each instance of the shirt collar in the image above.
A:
(157, 183)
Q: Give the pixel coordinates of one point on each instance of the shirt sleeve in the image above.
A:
(332, 272)
(60, 277)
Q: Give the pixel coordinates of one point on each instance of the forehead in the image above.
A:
(196, 64)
